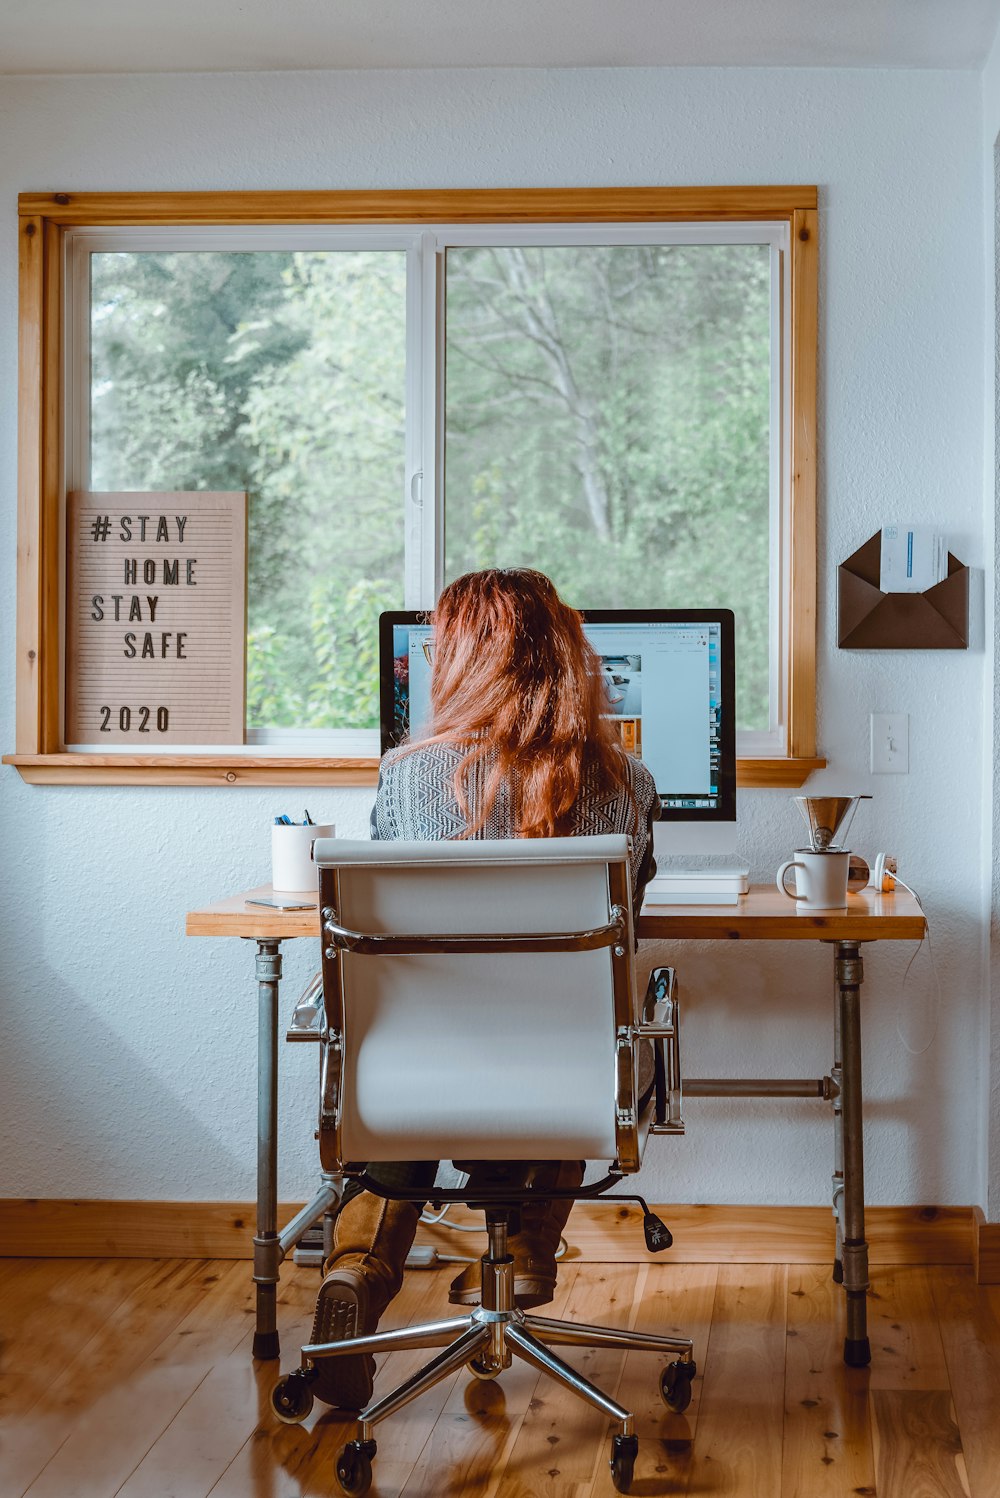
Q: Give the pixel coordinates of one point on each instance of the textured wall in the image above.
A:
(128, 1051)
(991, 499)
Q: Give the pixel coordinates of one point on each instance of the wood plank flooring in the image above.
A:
(134, 1378)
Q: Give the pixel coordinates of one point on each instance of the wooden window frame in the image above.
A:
(40, 756)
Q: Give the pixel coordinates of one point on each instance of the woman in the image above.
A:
(518, 744)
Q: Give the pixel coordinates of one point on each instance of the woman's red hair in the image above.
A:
(516, 683)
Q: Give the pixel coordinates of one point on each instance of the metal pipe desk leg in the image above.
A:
(266, 1245)
(850, 973)
(837, 1081)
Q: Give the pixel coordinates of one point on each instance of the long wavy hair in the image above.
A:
(517, 686)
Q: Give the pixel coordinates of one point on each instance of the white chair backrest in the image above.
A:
(481, 1055)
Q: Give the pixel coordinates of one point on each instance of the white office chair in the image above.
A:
(480, 1004)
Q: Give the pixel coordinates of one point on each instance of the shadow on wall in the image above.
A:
(745, 984)
(99, 1106)
(753, 1011)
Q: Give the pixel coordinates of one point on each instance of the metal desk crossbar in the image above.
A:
(761, 915)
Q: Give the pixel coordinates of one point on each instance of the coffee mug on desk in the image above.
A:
(820, 879)
(292, 868)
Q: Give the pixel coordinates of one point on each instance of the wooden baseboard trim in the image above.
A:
(598, 1232)
(711, 1234)
(985, 1248)
(69, 1229)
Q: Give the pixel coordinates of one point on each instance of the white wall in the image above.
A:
(991, 497)
(128, 1054)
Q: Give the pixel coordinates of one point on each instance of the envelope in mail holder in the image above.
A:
(869, 619)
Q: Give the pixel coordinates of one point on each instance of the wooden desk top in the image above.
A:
(761, 915)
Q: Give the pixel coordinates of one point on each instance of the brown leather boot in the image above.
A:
(535, 1246)
(371, 1239)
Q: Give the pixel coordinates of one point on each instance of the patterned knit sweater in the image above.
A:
(416, 801)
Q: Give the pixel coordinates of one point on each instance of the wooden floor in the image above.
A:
(134, 1377)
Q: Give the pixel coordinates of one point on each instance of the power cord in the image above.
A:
(936, 993)
(440, 1219)
(428, 1256)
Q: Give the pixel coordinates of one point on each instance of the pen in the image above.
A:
(308, 821)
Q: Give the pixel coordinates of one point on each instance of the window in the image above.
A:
(615, 386)
(608, 414)
(282, 372)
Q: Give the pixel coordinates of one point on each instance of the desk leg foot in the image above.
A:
(857, 1352)
(265, 1346)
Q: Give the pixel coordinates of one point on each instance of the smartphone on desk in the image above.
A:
(280, 902)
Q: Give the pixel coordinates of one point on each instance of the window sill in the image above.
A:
(773, 774)
(211, 769)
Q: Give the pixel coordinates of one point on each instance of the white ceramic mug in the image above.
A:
(292, 868)
(820, 879)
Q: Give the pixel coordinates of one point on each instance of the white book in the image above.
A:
(733, 885)
(679, 896)
(699, 886)
(723, 879)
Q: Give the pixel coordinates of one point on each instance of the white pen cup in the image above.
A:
(820, 879)
(292, 867)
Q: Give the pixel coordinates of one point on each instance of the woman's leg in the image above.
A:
(371, 1239)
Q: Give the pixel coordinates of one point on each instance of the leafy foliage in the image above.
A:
(607, 420)
(281, 374)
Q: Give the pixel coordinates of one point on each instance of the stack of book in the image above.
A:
(717, 885)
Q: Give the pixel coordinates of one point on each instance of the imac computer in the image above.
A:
(670, 683)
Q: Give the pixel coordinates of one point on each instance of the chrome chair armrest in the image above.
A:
(661, 992)
(659, 1028)
(331, 1079)
(307, 1016)
(660, 1024)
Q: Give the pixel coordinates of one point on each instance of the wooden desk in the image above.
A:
(762, 915)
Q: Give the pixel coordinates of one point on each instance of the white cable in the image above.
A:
(430, 1220)
(936, 995)
(439, 1219)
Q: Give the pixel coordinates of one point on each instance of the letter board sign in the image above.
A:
(156, 619)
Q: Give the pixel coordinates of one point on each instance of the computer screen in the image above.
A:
(669, 679)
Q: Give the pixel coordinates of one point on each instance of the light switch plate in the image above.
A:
(890, 743)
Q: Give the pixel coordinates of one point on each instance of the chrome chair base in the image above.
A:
(487, 1341)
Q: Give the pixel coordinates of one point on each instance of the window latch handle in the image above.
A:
(417, 488)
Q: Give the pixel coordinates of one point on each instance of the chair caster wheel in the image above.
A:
(675, 1385)
(483, 1368)
(624, 1450)
(292, 1398)
(354, 1466)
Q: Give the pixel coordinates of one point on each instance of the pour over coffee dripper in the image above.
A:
(828, 819)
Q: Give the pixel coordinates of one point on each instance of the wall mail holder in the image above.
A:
(869, 619)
